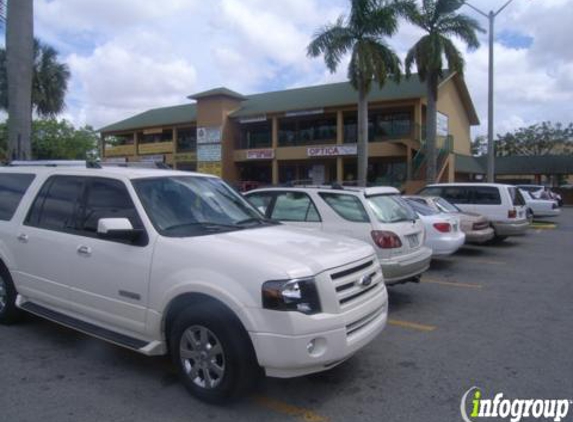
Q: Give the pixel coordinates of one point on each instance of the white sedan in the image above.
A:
(540, 207)
(443, 233)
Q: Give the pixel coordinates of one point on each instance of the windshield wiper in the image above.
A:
(206, 225)
(255, 220)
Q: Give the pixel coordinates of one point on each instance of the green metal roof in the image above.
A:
(164, 116)
(330, 95)
(222, 91)
(517, 164)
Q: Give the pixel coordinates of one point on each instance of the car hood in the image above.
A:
(281, 250)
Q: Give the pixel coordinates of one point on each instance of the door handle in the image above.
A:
(84, 250)
(22, 237)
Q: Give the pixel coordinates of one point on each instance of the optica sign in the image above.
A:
(332, 151)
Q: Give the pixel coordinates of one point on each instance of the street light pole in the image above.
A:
(490, 95)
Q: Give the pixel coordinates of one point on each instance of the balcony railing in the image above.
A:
(382, 134)
(254, 141)
(119, 150)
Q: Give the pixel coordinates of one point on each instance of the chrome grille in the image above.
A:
(363, 322)
(347, 283)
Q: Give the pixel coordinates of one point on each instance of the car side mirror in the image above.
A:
(117, 229)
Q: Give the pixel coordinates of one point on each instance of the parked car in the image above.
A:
(443, 233)
(540, 207)
(375, 215)
(502, 204)
(542, 192)
(160, 261)
(476, 227)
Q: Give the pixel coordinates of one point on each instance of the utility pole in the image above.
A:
(490, 96)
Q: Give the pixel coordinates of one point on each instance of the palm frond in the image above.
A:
(333, 41)
(453, 56)
(382, 21)
(463, 27)
(373, 61)
(447, 7)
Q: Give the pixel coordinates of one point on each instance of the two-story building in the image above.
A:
(299, 134)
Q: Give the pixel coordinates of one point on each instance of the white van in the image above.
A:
(502, 204)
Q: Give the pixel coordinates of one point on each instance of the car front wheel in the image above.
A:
(213, 354)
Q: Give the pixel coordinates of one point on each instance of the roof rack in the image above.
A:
(138, 164)
(55, 163)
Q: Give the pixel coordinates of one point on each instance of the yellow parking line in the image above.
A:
(543, 226)
(412, 325)
(289, 410)
(452, 283)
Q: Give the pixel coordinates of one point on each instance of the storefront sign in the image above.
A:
(260, 154)
(210, 168)
(304, 112)
(332, 151)
(209, 135)
(185, 156)
(254, 119)
(209, 152)
(442, 125)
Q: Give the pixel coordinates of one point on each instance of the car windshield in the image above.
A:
(390, 209)
(182, 206)
(420, 208)
(445, 206)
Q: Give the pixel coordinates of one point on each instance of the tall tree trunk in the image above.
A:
(19, 63)
(362, 136)
(431, 128)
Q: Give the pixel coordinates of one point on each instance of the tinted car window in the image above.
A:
(456, 194)
(56, 204)
(390, 209)
(12, 189)
(431, 191)
(295, 206)
(348, 207)
(486, 195)
(106, 198)
(516, 197)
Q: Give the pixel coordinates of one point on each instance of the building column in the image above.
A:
(136, 143)
(174, 151)
(274, 146)
(339, 141)
(409, 170)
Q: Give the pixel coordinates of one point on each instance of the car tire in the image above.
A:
(213, 354)
(9, 313)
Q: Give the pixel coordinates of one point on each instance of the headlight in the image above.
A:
(298, 295)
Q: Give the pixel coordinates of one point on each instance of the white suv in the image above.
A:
(161, 261)
(377, 215)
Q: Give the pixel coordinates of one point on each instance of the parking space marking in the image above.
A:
(452, 283)
(544, 226)
(412, 325)
(485, 261)
(289, 410)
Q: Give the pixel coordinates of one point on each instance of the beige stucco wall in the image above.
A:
(450, 104)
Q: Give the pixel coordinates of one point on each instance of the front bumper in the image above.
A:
(404, 267)
(287, 356)
(516, 228)
(480, 236)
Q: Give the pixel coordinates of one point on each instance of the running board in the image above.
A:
(84, 327)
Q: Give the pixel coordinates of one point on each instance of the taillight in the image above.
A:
(512, 214)
(385, 239)
(443, 227)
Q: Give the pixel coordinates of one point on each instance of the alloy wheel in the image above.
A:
(202, 357)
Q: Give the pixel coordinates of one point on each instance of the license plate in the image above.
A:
(413, 240)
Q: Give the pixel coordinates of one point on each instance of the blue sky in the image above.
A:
(127, 56)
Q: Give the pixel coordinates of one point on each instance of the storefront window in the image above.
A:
(149, 138)
(255, 135)
(307, 131)
(118, 140)
(381, 126)
(186, 139)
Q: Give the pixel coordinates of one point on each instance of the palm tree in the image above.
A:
(362, 34)
(19, 59)
(49, 81)
(440, 20)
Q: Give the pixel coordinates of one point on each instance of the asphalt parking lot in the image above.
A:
(498, 317)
